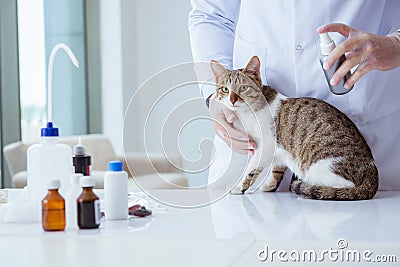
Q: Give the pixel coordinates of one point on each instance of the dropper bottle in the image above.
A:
(82, 162)
(327, 45)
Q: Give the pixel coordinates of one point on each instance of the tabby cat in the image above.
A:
(317, 142)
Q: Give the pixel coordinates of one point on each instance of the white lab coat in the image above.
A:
(282, 33)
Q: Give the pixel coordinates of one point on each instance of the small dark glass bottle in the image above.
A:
(82, 162)
(53, 209)
(88, 205)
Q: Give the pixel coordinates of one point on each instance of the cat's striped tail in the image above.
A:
(366, 190)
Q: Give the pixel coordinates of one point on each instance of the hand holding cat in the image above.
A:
(224, 117)
(368, 51)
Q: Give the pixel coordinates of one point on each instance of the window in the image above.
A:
(30, 29)
(41, 25)
(9, 81)
(32, 68)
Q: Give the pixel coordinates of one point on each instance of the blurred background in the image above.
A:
(119, 44)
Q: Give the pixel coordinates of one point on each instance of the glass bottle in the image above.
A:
(82, 162)
(53, 208)
(88, 205)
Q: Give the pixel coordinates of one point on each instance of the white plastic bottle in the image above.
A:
(116, 192)
(327, 45)
(47, 161)
(70, 201)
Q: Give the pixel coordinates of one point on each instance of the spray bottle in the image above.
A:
(49, 159)
(327, 45)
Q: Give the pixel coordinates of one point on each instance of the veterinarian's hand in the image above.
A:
(368, 51)
(224, 117)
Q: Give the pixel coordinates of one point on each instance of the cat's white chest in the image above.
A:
(256, 125)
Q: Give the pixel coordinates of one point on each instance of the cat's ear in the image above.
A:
(253, 66)
(217, 69)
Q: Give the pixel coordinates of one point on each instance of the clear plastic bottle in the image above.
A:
(47, 160)
(53, 208)
(88, 205)
(70, 201)
(116, 192)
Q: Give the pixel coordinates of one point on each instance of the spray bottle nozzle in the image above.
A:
(325, 38)
(327, 44)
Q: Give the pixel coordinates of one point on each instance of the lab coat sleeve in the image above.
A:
(212, 32)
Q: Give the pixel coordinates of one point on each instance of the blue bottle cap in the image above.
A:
(49, 130)
(115, 166)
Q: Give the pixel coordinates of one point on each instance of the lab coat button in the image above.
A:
(299, 48)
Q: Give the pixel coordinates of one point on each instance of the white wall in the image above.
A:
(154, 36)
(111, 71)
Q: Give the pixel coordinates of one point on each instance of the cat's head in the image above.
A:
(238, 88)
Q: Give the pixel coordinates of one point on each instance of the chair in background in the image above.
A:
(151, 171)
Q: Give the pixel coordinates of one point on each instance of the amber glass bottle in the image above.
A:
(88, 205)
(53, 209)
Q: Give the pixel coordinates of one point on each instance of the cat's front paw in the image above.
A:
(268, 188)
(238, 190)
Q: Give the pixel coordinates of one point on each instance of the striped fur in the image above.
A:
(322, 146)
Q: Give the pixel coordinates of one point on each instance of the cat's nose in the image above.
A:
(233, 100)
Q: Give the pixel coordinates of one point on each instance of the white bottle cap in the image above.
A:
(53, 184)
(74, 178)
(79, 149)
(87, 181)
(327, 44)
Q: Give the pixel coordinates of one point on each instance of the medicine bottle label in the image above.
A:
(97, 213)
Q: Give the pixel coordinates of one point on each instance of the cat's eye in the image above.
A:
(224, 90)
(243, 88)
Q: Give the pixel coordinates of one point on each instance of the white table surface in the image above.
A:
(229, 232)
